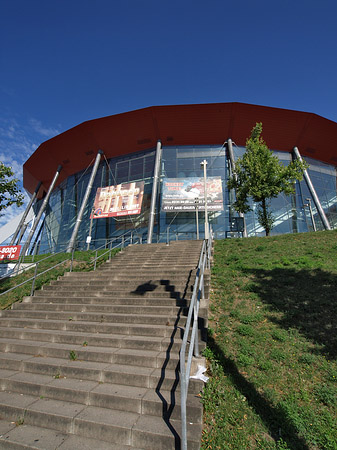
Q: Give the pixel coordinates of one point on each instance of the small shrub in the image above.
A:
(245, 330)
(277, 355)
(208, 353)
(72, 355)
(307, 358)
(259, 248)
(326, 394)
(245, 360)
(278, 335)
(332, 374)
(265, 365)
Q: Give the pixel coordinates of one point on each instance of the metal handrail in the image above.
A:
(36, 275)
(33, 264)
(71, 259)
(193, 312)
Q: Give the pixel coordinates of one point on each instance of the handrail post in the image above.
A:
(95, 260)
(33, 282)
(168, 236)
(72, 259)
(196, 341)
(183, 395)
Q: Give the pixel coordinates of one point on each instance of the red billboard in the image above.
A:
(10, 251)
(119, 200)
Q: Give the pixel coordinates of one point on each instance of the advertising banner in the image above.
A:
(10, 251)
(180, 194)
(120, 200)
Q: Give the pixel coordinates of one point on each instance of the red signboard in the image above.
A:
(10, 251)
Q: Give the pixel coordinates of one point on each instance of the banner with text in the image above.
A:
(180, 194)
(10, 251)
(120, 200)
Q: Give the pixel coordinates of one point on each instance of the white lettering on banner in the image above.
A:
(10, 252)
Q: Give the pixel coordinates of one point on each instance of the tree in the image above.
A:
(261, 176)
(9, 192)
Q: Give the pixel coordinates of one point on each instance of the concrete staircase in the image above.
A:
(91, 361)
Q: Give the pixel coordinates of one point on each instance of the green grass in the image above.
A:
(82, 262)
(272, 345)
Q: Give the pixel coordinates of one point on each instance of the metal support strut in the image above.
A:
(154, 193)
(232, 163)
(25, 214)
(313, 192)
(84, 203)
(41, 211)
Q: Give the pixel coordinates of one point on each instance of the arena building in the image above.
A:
(140, 175)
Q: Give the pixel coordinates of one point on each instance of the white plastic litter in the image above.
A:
(200, 374)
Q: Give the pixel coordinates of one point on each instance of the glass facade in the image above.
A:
(291, 213)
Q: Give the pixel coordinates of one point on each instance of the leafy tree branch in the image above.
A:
(261, 176)
(10, 194)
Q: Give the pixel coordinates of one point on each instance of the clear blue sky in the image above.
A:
(64, 62)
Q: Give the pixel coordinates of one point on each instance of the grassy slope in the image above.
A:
(82, 261)
(273, 344)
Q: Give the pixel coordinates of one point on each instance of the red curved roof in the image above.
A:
(213, 123)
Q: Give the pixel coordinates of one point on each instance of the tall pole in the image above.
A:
(90, 228)
(232, 163)
(313, 192)
(154, 193)
(204, 164)
(41, 211)
(24, 216)
(84, 203)
(196, 201)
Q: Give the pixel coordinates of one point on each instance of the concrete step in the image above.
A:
(23, 437)
(124, 285)
(106, 300)
(119, 308)
(116, 427)
(114, 280)
(93, 339)
(144, 358)
(118, 270)
(149, 319)
(93, 327)
(124, 374)
(159, 294)
(106, 308)
(105, 395)
(141, 352)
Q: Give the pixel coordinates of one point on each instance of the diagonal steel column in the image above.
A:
(25, 214)
(41, 211)
(84, 203)
(154, 193)
(232, 163)
(313, 192)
